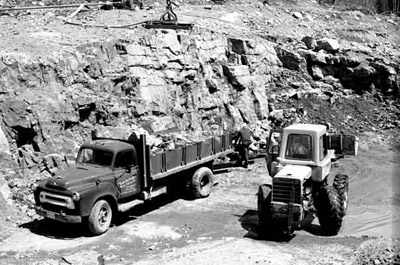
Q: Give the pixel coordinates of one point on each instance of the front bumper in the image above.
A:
(280, 216)
(61, 217)
(280, 211)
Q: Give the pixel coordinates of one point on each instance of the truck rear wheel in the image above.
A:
(202, 182)
(100, 217)
(329, 210)
(341, 185)
(264, 207)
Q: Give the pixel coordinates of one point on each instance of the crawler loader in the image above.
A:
(299, 160)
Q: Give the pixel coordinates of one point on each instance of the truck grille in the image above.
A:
(55, 199)
(281, 188)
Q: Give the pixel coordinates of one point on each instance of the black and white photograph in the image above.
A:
(207, 132)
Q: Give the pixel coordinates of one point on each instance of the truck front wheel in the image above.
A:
(202, 182)
(100, 217)
(329, 210)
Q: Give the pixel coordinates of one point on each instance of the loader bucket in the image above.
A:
(343, 144)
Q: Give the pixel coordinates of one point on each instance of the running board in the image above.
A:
(154, 193)
(145, 196)
(129, 205)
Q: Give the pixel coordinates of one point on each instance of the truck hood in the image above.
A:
(76, 176)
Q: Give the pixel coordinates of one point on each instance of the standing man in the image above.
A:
(243, 141)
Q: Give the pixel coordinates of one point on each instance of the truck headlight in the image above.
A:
(75, 196)
(307, 191)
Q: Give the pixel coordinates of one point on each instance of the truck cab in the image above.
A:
(105, 171)
(119, 157)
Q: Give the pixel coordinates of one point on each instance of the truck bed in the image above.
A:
(183, 158)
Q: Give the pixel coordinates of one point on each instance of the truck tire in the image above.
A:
(202, 182)
(329, 210)
(341, 185)
(264, 207)
(100, 217)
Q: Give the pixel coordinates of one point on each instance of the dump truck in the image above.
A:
(115, 175)
(299, 159)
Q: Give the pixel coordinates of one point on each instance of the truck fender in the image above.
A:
(106, 191)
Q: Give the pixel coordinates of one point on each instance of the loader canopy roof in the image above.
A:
(307, 128)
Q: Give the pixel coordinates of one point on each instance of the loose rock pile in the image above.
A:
(378, 251)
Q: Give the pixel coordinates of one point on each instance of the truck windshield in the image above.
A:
(95, 157)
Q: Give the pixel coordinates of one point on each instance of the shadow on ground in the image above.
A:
(249, 221)
(53, 229)
(148, 207)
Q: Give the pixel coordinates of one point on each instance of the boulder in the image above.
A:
(334, 82)
(290, 59)
(246, 106)
(329, 45)
(82, 257)
(209, 48)
(260, 101)
(238, 76)
(238, 46)
(310, 42)
(5, 191)
(212, 85)
(161, 124)
(167, 39)
(297, 15)
(349, 61)
(259, 55)
(317, 72)
(276, 114)
(14, 114)
(234, 113)
(319, 57)
(359, 78)
(4, 145)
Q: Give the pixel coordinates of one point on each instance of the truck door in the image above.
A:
(126, 174)
(273, 146)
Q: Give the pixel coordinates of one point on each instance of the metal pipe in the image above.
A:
(58, 6)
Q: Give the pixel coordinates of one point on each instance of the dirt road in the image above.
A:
(223, 228)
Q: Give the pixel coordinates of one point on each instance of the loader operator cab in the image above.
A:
(307, 145)
(301, 144)
(299, 172)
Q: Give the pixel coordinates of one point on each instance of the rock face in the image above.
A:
(354, 69)
(163, 82)
(291, 60)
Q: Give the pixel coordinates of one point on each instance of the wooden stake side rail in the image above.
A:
(190, 156)
(188, 166)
